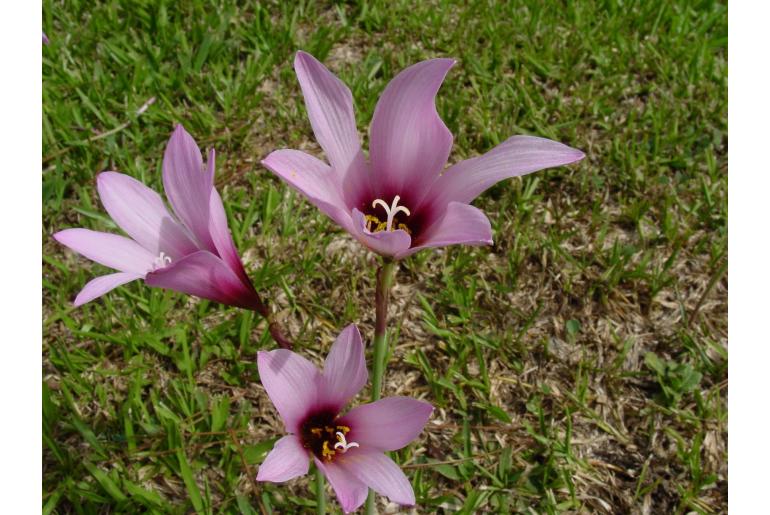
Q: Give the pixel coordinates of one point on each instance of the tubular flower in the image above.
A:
(399, 202)
(349, 449)
(192, 252)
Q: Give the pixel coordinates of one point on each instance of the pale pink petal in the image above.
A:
(409, 144)
(221, 236)
(518, 155)
(211, 166)
(387, 424)
(188, 185)
(107, 249)
(351, 492)
(204, 275)
(378, 472)
(291, 382)
(101, 285)
(140, 212)
(287, 460)
(461, 223)
(314, 179)
(385, 243)
(330, 109)
(345, 369)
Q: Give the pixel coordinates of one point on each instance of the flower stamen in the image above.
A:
(343, 444)
(327, 453)
(391, 210)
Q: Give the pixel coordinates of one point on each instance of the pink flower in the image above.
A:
(399, 202)
(349, 449)
(191, 252)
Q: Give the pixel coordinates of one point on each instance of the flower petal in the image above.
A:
(314, 179)
(140, 212)
(291, 382)
(101, 285)
(329, 106)
(287, 460)
(188, 186)
(518, 155)
(330, 109)
(461, 223)
(385, 243)
(409, 144)
(351, 492)
(222, 238)
(345, 369)
(110, 250)
(387, 424)
(379, 472)
(204, 275)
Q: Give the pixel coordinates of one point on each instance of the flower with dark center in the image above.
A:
(190, 251)
(398, 201)
(348, 448)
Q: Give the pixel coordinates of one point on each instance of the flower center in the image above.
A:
(374, 224)
(161, 261)
(322, 435)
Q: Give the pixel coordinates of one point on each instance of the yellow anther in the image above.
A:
(372, 222)
(327, 453)
(329, 430)
(344, 429)
(316, 431)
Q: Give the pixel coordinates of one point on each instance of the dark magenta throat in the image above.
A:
(319, 434)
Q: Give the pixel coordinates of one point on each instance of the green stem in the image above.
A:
(320, 492)
(385, 277)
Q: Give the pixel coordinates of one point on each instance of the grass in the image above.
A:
(579, 364)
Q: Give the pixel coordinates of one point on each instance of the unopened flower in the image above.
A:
(349, 449)
(399, 202)
(192, 252)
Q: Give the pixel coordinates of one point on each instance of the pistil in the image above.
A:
(391, 210)
(343, 444)
(162, 261)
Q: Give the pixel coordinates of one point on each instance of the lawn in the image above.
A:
(579, 364)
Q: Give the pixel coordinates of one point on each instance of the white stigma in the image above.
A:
(162, 261)
(391, 210)
(343, 444)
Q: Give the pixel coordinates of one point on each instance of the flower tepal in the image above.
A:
(349, 448)
(399, 201)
